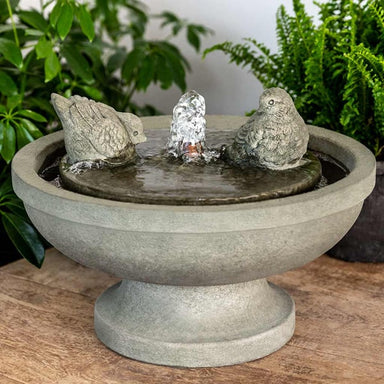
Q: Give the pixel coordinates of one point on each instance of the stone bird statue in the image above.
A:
(275, 136)
(95, 131)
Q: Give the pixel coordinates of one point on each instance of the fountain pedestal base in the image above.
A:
(201, 326)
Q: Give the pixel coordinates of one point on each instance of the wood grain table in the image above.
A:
(46, 329)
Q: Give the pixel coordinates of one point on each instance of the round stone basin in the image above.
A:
(194, 291)
(158, 179)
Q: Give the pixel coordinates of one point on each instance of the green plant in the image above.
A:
(334, 69)
(71, 47)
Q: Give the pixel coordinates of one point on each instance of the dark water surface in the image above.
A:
(157, 179)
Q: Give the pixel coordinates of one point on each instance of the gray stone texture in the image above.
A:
(274, 137)
(95, 131)
(194, 292)
(195, 326)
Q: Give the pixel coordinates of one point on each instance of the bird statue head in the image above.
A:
(276, 102)
(134, 127)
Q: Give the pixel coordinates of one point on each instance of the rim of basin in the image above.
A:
(341, 195)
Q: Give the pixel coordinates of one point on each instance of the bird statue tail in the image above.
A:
(61, 105)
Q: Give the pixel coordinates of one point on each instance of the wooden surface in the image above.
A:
(46, 329)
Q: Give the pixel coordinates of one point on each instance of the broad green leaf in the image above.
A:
(64, 22)
(169, 17)
(93, 53)
(34, 19)
(164, 73)
(177, 28)
(7, 85)
(25, 238)
(16, 206)
(169, 48)
(6, 186)
(51, 66)
(92, 92)
(77, 63)
(138, 16)
(9, 27)
(13, 101)
(2, 127)
(42, 104)
(46, 4)
(8, 148)
(4, 15)
(23, 137)
(146, 73)
(86, 22)
(31, 128)
(131, 63)
(11, 52)
(33, 32)
(193, 37)
(32, 115)
(116, 61)
(175, 62)
(43, 48)
(55, 13)
(203, 30)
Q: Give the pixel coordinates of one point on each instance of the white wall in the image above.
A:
(227, 88)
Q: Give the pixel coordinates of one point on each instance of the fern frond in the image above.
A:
(334, 69)
(357, 113)
(283, 30)
(375, 62)
(353, 22)
(378, 11)
(264, 50)
(304, 25)
(292, 49)
(314, 64)
(261, 63)
(240, 54)
(378, 97)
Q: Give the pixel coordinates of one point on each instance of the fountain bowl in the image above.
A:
(194, 291)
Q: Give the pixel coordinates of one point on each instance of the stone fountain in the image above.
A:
(194, 266)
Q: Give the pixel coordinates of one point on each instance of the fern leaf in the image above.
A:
(357, 113)
(378, 11)
(378, 97)
(375, 62)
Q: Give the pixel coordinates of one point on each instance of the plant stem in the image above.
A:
(24, 77)
(128, 96)
(13, 23)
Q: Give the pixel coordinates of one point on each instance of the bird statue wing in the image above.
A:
(247, 134)
(103, 128)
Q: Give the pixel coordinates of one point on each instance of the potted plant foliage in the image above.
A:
(334, 70)
(70, 47)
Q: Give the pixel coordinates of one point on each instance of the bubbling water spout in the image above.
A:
(187, 134)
